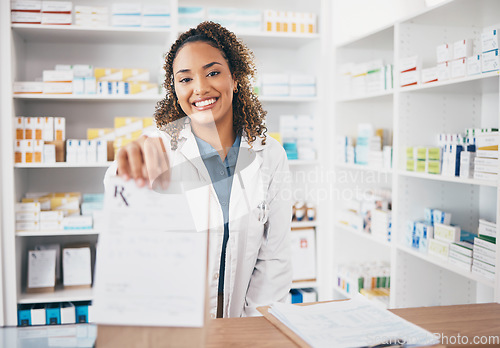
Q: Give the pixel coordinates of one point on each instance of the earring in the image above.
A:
(236, 88)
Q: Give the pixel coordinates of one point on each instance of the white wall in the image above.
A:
(353, 18)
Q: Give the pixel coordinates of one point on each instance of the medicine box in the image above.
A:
(489, 40)
(68, 313)
(38, 314)
(489, 61)
(474, 66)
(27, 87)
(53, 314)
(443, 53)
(446, 233)
(439, 248)
(462, 49)
(82, 312)
(444, 71)
(459, 68)
(24, 315)
(56, 19)
(57, 6)
(22, 17)
(429, 75)
(26, 5)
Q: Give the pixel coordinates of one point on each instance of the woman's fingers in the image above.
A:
(156, 163)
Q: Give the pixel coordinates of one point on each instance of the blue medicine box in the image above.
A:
(82, 312)
(296, 296)
(24, 315)
(53, 314)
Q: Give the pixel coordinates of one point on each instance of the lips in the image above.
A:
(204, 104)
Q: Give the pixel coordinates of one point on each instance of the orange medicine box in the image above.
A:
(37, 151)
(39, 125)
(19, 128)
(60, 128)
(29, 128)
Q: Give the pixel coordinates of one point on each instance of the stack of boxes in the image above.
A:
(306, 295)
(39, 139)
(365, 78)
(409, 71)
(57, 12)
(114, 81)
(290, 22)
(489, 49)
(41, 12)
(423, 159)
(474, 155)
(190, 16)
(363, 277)
(370, 212)
(284, 85)
(466, 250)
(485, 249)
(138, 15)
(85, 79)
(297, 134)
(245, 20)
(54, 313)
(57, 211)
(372, 147)
(455, 61)
(486, 160)
(91, 16)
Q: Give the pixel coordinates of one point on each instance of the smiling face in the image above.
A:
(204, 84)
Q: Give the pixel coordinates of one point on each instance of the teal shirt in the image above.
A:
(221, 174)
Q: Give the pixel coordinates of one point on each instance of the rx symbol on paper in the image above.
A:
(119, 192)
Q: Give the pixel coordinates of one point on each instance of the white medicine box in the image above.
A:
(303, 254)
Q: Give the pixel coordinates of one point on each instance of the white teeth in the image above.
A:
(205, 102)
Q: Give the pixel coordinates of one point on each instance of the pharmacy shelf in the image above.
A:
(482, 83)
(63, 165)
(264, 98)
(453, 179)
(304, 284)
(272, 39)
(92, 35)
(304, 224)
(444, 264)
(362, 167)
(380, 95)
(93, 97)
(48, 233)
(364, 235)
(59, 295)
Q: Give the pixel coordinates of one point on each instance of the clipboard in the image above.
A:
(112, 336)
(283, 328)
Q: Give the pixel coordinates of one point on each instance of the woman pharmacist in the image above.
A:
(212, 122)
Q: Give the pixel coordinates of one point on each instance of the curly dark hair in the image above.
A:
(248, 114)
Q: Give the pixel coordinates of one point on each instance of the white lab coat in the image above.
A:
(258, 257)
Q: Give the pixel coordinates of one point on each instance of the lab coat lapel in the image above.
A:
(189, 149)
(245, 178)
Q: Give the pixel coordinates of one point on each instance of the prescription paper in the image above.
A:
(152, 259)
(352, 323)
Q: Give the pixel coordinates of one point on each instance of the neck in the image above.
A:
(220, 136)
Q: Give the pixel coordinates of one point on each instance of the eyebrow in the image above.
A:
(206, 66)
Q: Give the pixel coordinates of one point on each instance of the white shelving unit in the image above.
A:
(417, 114)
(30, 49)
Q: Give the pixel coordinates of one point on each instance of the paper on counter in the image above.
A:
(352, 323)
(152, 260)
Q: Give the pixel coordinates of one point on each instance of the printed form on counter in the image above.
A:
(152, 259)
(357, 322)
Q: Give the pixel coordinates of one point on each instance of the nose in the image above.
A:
(201, 86)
